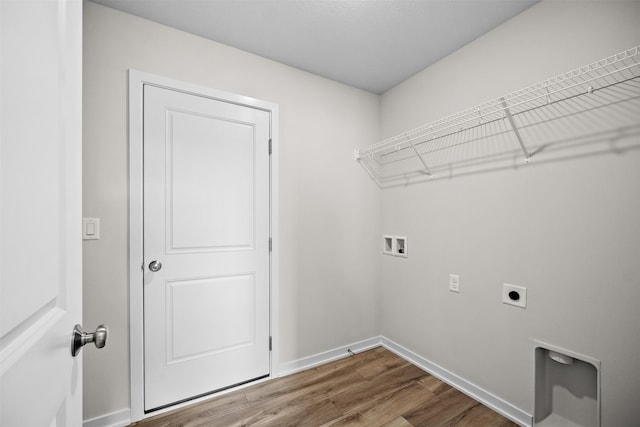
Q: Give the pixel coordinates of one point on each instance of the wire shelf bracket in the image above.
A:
(426, 168)
(508, 115)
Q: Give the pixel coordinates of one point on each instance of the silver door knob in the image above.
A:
(81, 338)
(155, 266)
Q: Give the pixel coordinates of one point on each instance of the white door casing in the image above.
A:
(208, 213)
(41, 209)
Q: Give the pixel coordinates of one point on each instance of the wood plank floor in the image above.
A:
(372, 388)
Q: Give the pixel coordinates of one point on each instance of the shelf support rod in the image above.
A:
(371, 174)
(507, 113)
(426, 168)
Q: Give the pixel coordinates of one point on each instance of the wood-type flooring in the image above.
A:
(372, 388)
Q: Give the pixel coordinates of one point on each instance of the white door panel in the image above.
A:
(224, 216)
(210, 304)
(40, 155)
(206, 220)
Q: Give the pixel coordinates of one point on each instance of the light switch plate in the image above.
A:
(90, 228)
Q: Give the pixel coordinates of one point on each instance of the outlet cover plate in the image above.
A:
(514, 295)
(454, 283)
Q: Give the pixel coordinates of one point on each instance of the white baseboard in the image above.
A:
(114, 419)
(123, 417)
(326, 356)
(494, 402)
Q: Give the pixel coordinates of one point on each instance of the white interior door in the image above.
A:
(206, 225)
(40, 237)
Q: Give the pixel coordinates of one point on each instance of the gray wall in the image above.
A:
(569, 231)
(329, 210)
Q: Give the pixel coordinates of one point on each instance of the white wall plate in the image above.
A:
(514, 295)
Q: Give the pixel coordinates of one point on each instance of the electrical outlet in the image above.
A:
(514, 295)
(454, 283)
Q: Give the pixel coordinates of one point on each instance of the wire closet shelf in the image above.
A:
(594, 101)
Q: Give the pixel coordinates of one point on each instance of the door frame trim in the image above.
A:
(137, 80)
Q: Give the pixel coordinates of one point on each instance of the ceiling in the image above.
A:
(369, 44)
